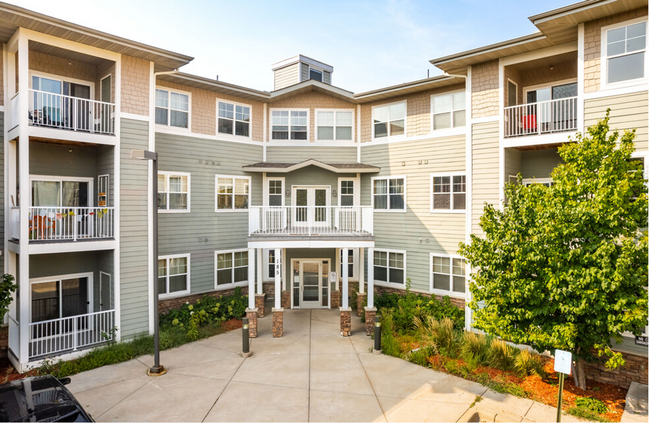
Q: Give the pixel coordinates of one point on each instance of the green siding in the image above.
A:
(629, 111)
(280, 154)
(312, 175)
(2, 187)
(203, 231)
(539, 163)
(134, 253)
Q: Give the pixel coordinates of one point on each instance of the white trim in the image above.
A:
(175, 293)
(189, 109)
(451, 192)
(604, 85)
(372, 194)
(529, 181)
(451, 112)
(461, 130)
(581, 78)
(234, 120)
(69, 247)
(62, 79)
(167, 175)
(143, 118)
(117, 162)
(631, 89)
(110, 280)
(557, 138)
(216, 194)
(468, 186)
(507, 88)
(389, 136)
(502, 152)
(232, 268)
(265, 188)
(59, 278)
(354, 276)
(450, 293)
(151, 206)
(109, 75)
(374, 263)
(310, 243)
(285, 109)
(56, 178)
(335, 141)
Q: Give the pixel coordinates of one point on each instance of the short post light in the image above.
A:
(157, 369)
(377, 349)
(245, 340)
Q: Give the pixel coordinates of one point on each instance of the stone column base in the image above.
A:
(278, 322)
(286, 299)
(259, 304)
(251, 314)
(346, 321)
(335, 301)
(370, 320)
(361, 299)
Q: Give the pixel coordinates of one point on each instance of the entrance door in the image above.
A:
(310, 272)
(310, 206)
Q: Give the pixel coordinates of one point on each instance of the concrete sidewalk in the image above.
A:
(311, 374)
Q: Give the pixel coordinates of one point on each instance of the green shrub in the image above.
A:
(502, 355)
(527, 363)
(583, 413)
(421, 356)
(389, 343)
(475, 347)
(592, 404)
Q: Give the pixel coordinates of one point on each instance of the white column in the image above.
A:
(278, 278)
(361, 270)
(337, 268)
(251, 278)
(371, 277)
(344, 292)
(260, 269)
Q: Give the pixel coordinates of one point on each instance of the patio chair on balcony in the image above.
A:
(41, 227)
(529, 124)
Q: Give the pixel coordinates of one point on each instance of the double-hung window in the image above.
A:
(275, 192)
(351, 255)
(346, 194)
(233, 192)
(448, 192)
(389, 193)
(389, 266)
(231, 267)
(448, 110)
(625, 49)
(289, 125)
(271, 269)
(172, 108)
(233, 119)
(173, 275)
(448, 275)
(334, 125)
(173, 191)
(389, 120)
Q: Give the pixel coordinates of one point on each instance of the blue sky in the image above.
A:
(371, 44)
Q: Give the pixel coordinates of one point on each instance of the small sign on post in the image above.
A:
(332, 277)
(562, 365)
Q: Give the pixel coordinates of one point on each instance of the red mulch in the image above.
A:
(231, 324)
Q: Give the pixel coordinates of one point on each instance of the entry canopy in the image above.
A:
(290, 167)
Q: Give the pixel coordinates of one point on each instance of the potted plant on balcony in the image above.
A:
(7, 288)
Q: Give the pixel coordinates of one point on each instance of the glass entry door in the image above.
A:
(311, 206)
(310, 284)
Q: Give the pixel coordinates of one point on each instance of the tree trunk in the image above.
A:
(579, 374)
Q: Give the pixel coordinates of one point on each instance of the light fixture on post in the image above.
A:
(157, 369)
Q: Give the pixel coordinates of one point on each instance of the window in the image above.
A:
(289, 124)
(316, 75)
(389, 120)
(448, 110)
(389, 193)
(625, 52)
(271, 264)
(346, 193)
(234, 119)
(231, 267)
(275, 192)
(389, 266)
(173, 191)
(233, 192)
(333, 125)
(448, 274)
(547, 182)
(173, 275)
(172, 109)
(350, 263)
(60, 297)
(448, 192)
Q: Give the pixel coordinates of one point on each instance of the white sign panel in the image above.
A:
(332, 277)
(562, 362)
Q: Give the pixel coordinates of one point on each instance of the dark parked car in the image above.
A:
(40, 399)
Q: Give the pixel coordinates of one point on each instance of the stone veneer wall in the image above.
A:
(634, 370)
(170, 303)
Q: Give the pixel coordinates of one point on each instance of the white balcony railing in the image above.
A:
(70, 333)
(310, 220)
(544, 117)
(71, 113)
(14, 222)
(70, 223)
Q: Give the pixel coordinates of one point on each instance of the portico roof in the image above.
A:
(290, 167)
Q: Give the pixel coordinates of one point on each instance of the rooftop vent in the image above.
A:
(298, 69)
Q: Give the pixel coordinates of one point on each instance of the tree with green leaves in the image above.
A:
(7, 288)
(566, 266)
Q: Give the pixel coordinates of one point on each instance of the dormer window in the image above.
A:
(316, 75)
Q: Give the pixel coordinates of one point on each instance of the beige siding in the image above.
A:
(2, 81)
(304, 72)
(288, 75)
(629, 111)
(539, 163)
(323, 154)
(107, 68)
(60, 66)
(512, 163)
(439, 232)
(593, 43)
(135, 86)
(485, 89)
(485, 169)
(327, 77)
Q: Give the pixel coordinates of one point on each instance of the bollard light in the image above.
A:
(245, 340)
(377, 335)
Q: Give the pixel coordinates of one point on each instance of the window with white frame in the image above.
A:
(233, 119)
(448, 110)
(389, 266)
(448, 274)
(173, 275)
(389, 193)
(233, 192)
(625, 52)
(289, 124)
(173, 191)
(547, 182)
(448, 192)
(346, 193)
(231, 267)
(334, 125)
(351, 255)
(315, 75)
(275, 192)
(271, 274)
(389, 120)
(172, 108)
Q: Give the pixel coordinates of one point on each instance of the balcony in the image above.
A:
(330, 221)
(544, 117)
(60, 224)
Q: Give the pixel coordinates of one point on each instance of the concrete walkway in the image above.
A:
(311, 374)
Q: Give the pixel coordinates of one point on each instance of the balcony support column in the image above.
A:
(278, 278)
(251, 278)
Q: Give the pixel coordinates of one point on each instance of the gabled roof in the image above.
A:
(290, 167)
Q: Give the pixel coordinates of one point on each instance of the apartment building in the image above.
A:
(299, 195)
